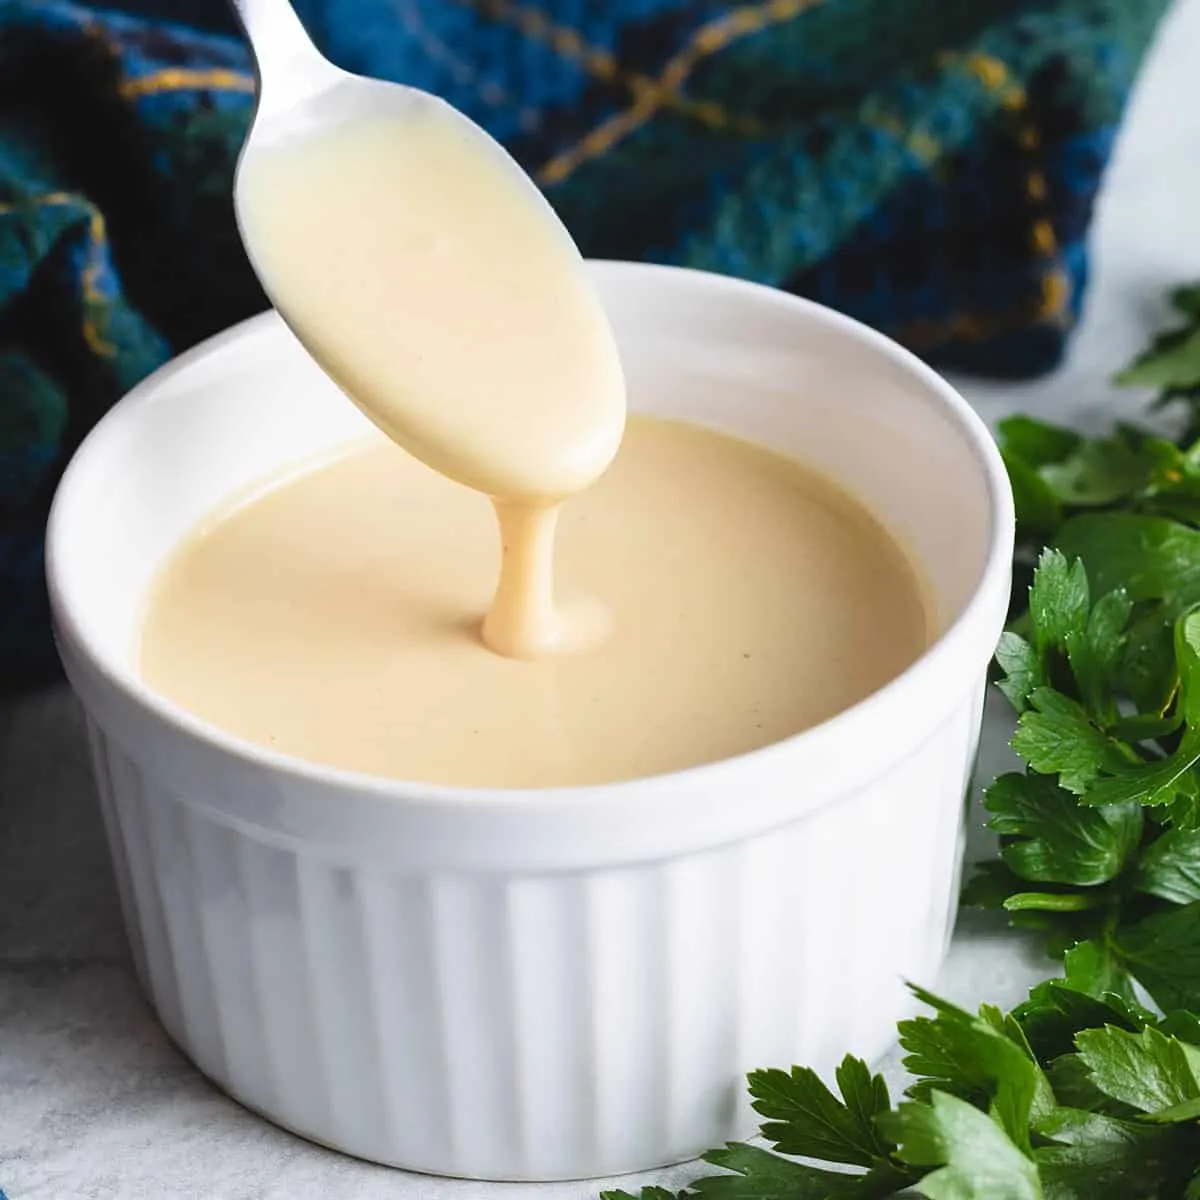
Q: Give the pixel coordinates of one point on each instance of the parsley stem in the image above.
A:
(1056, 902)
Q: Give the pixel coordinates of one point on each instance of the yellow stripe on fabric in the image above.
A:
(92, 296)
(920, 144)
(992, 72)
(601, 65)
(97, 237)
(46, 200)
(986, 69)
(1056, 294)
(184, 79)
(1044, 240)
(663, 91)
(1054, 290)
(535, 24)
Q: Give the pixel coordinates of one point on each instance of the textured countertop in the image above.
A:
(95, 1102)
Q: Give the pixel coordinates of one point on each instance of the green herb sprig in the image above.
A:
(1090, 1089)
(1100, 834)
(1076, 1095)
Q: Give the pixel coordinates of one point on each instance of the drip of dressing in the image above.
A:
(333, 617)
(449, 303)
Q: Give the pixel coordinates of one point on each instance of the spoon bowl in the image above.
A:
(425, 272)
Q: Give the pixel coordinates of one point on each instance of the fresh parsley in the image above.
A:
(1090, 1089)
(1070, 1097)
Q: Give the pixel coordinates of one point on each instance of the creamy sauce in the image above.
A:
(334, 617)
(436, 287)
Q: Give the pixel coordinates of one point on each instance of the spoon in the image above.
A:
(425, 272)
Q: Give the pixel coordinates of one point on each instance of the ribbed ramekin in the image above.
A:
(538, 984)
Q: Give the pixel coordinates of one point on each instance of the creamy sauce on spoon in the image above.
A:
(448, 302)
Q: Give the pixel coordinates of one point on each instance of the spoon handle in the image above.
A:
(288, 63)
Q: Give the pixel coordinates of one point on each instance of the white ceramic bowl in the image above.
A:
(538, 984)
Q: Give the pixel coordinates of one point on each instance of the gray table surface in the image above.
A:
(94, 1102)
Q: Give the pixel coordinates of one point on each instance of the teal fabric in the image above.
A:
(929, 166)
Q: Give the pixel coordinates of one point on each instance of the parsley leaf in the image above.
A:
(1163, 953)
(1151, 558)
(1097, 1157)
(1187, 300)
(1173, 360)
(1034, 442)
(983, 1059)
(1074, 1088)
(1059, 738)
(1094, 992)
(1147, 671)
(1091, 969)
(806, 1119)
(975, 1157)
(1096, 652)
(647, 1193)
(1147, 1070)
(1183, 1025)
(757, 1174)
(1170, 867)
(1153, 783)
(1100, 471)
(1023, 670)
(1039, 512)
(1050, 837)
(1161, 782)
(1058, 601)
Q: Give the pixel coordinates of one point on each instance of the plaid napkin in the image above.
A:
(928, 166)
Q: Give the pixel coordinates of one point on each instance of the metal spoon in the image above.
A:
(541, 306)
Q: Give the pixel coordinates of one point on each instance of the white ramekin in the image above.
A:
(538, 984)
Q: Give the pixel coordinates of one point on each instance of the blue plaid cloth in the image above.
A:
(929, 166)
